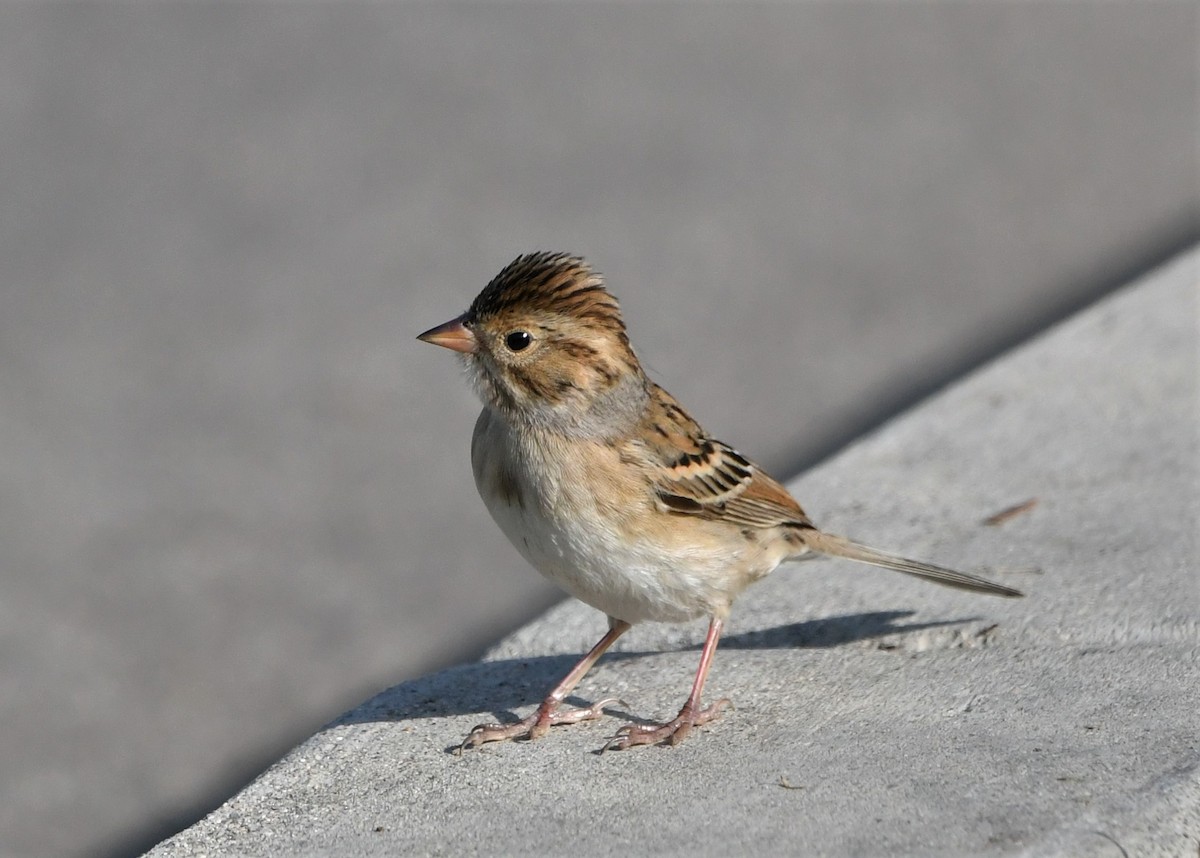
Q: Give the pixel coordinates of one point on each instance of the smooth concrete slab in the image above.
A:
(875, 715)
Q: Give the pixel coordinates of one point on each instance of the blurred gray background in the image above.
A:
(234, 490)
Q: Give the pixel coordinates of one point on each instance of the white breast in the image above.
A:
(594, 544)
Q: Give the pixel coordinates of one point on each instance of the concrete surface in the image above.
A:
(875, 715)
(234, 497)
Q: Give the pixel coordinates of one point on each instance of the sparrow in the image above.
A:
(610, 489)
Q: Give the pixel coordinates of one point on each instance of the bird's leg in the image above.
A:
(691, 715)
(548, 714)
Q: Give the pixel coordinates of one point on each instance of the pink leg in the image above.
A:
(548, 714)
(691, 715)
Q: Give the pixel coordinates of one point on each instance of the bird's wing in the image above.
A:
(693, 474)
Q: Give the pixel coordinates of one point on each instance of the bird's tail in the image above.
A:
(839, 546)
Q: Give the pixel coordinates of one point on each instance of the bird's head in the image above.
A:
(547, 348)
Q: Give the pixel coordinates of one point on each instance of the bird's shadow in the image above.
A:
(506, 684)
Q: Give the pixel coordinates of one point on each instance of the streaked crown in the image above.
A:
(556, 283)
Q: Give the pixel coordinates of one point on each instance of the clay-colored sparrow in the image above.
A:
(610, 489)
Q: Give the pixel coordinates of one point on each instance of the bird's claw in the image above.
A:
(536, 725)
(670, 732)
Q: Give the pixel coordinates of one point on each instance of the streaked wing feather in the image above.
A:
(697, 475)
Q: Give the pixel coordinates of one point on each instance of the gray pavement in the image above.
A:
(875, 715)
(234, 497)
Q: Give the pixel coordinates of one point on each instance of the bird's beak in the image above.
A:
(452, 335)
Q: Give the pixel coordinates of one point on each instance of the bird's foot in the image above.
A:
(536, 725)
(672, 732)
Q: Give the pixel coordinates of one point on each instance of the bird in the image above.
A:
(609, 488)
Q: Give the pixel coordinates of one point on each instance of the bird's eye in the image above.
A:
(518, 340)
